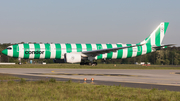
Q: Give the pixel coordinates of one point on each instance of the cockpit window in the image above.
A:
(9, 48)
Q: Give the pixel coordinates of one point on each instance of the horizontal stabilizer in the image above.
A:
(163, 46)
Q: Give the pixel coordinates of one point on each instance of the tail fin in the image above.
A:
(156, 37)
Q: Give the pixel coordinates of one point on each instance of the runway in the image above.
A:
(160, 79)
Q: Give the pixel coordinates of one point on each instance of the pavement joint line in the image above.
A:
(100, 80)
(117, 75)
(40, 75)
(158, 79)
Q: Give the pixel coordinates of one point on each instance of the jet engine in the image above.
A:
(72, 57)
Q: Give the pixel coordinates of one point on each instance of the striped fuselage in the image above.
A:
(57, 51)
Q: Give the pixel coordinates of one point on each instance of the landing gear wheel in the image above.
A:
(82, 63)
(94, 63)
(86, 63)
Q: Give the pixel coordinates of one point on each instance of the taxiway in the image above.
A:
(160, 79)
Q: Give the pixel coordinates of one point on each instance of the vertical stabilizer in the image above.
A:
(156, 37)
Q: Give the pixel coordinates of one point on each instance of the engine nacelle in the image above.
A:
(72, 57)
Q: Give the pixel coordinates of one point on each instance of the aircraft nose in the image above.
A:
(4, 52)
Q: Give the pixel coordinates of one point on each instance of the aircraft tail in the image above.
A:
(156, 37)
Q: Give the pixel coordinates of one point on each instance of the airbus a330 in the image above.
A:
(79, 53)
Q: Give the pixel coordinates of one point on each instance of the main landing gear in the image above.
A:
(89, 63)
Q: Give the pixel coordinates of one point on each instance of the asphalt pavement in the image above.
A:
(159, 79)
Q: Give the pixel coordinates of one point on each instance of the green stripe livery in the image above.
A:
(109, 55)
(139, 50)
(37, 48)
(157, 38)
(26, 48)
(148, 45)
(58, 51)
(119, 52)
(68, 48)
(79, 47)
(47, 51)
(130, 51)
(89, 47)
(165, 26)
(16, 51)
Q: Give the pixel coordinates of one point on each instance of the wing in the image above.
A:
(103, 51)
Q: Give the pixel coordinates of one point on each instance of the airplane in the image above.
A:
(79, 53)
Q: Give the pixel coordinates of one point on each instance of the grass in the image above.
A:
(99, 66)
(8, 77)
(51, 90)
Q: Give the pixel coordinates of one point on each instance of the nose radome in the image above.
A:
(4, 52)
